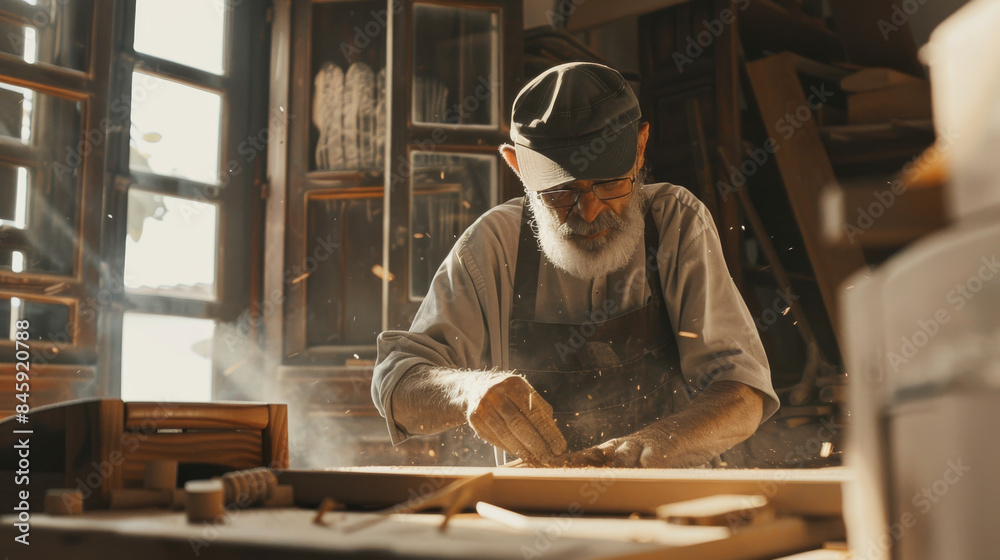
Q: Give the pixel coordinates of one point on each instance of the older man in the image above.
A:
(593, 321)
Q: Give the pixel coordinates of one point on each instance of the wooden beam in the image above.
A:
(46, 78)
(729, 135)
(805, 170)
(596, 12)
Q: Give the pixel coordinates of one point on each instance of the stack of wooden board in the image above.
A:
(878, 95)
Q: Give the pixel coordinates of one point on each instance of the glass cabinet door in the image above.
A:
(460, 62)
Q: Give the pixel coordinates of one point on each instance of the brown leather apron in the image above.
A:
(604, 379)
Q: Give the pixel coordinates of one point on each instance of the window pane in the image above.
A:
(175, 129)
(170, 246)
(14, 197)
(456, 65)
(57, 33)
(348, 88)
(41, 120)
(448, 192)
(42, 200)
(190, 32)
(166, 358)
(47, 321)
(344, 259)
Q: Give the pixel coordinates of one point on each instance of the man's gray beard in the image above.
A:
(590, 259)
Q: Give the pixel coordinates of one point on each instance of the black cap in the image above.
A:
(575, 121)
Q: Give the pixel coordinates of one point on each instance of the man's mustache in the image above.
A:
(576, 225)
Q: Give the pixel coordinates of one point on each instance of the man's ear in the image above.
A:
(641, 145)
(510, 156)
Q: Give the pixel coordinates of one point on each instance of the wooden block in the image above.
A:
(234, 449)
(912, 101)
(274, 442)
(280, 495)
(877, 78)
(63, 501)
(160, 475)
(204, 500)
(158, 416)
(733, 510)
(141, 498)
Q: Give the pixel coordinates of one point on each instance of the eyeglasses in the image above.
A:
(604, 190)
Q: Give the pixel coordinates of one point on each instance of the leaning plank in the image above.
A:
(805, 169)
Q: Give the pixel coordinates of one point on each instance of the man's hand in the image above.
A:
(649, 447)
(725, 414)
(513, 416)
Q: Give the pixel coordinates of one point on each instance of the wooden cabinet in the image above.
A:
(395, 110)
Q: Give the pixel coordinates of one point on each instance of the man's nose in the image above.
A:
(588, 206)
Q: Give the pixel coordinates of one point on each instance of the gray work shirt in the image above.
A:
(463, 321)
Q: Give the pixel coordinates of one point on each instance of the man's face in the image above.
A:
(592, 221)
(593, 237)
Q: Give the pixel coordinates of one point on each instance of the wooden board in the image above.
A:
(876, 78)
(779, 537)
(805, 170)
(196, 415)
(908, 101)
(605, 491)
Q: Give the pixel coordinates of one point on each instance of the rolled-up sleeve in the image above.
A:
(718, 340)
(449, 330)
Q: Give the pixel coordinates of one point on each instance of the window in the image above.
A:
(131, 144)
(186, 178)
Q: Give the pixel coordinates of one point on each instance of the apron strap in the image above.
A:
(652, 241)
(526, 268)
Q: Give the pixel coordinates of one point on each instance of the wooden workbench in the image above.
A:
(583, 531)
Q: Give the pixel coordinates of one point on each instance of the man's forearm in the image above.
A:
(428, 399)
(725, 414)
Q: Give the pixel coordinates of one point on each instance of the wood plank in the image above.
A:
(876, 78)
(46, 78)
(196, 415)
(611, 491)
(805, 170)
(236, 449)
(909, 101)
(731, 510)
(729, 133)
(781, 536)
(275, 437)
(880, 217)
